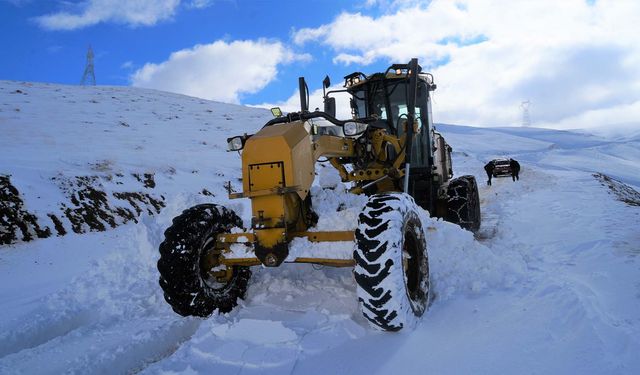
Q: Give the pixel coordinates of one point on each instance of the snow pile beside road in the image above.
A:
(462, 266)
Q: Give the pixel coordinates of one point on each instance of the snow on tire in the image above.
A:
(188, 287)
(463, 204)
(392, 265)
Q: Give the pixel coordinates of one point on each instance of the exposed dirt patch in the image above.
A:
(16, 223)
(207, 193)
(91, 206)
(622, 191)
(140, 200)
(147, 179)
(89, 209)
(58, 225)
(92, 210)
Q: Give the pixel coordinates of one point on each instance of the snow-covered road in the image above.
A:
(550, 285)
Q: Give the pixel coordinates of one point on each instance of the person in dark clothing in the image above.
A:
(489, 169)
(515, 169)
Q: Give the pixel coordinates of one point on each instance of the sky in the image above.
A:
(577, 62)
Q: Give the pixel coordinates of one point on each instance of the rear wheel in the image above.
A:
(191, 276)
(392, 266)
(463, 203)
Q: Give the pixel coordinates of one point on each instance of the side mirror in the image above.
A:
(330, 106)
(326, 82)
(276, 112)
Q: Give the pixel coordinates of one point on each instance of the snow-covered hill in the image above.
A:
(87, 159)
(551, 284)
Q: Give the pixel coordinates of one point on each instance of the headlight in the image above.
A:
(235, 143)
(354, 128)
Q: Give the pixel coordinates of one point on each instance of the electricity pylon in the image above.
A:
(89, 76)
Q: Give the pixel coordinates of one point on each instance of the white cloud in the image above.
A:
(92, 12)
(127, 65)
(575, 61)
(199, 4)
(218, 71)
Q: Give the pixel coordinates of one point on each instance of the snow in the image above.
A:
(550, 284)
(253, 331)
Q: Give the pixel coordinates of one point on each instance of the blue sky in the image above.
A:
(33, 53)
(576, 61)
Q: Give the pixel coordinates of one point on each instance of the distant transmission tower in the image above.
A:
(526, 117)
(89, 76)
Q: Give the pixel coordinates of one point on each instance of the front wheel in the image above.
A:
(392, 265)
(193, 280)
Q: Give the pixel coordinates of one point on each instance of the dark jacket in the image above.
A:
(489, 167)
(515, 166)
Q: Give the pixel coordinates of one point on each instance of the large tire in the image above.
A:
(392, 265)
(463, 203)
(186, 283)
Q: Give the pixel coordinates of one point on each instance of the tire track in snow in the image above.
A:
(571, 226)
(112, 319)
(38, 329)
(120, 347)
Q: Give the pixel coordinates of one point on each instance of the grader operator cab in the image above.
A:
(388, 150)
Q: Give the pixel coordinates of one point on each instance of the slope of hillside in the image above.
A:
(89, 159)
(549, 285)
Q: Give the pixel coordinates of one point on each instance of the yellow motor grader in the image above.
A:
(389, 151)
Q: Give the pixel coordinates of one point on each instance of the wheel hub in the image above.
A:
(213, 273)
(411, 264)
